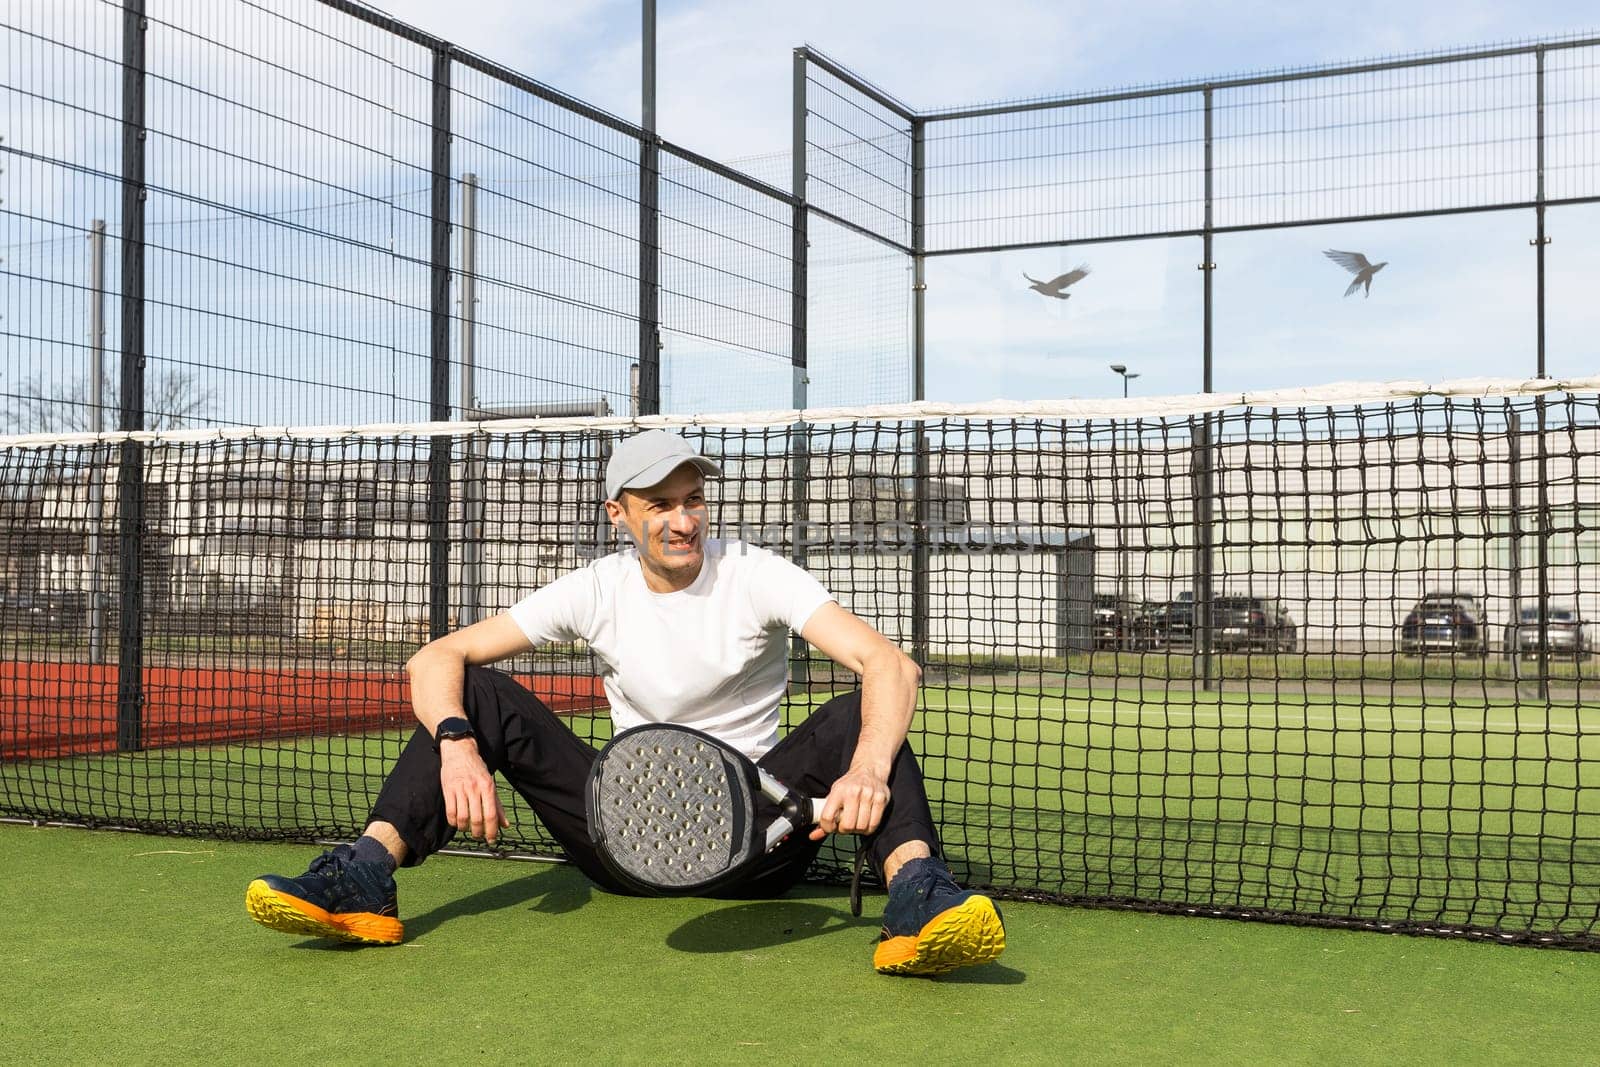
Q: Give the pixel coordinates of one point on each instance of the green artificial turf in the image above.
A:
(124, 948)
(1430, 807)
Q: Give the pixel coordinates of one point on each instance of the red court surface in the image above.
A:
(51, 710)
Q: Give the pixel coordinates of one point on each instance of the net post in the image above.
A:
(439, 448)
(1542, 533)
(1514, 528)
(130, 473)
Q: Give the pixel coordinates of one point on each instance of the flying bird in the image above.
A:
(1357, 264)
(1056, 286)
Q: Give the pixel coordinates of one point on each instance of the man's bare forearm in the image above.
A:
(437, 675)
(888, 701)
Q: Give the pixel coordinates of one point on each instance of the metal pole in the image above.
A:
(919, 280)
(1542, 550)
(1119, 512)
(439, 448)
(469, 295)
(647, 68)
(799, 257)
(474, 489)
(97, 378)
(1122, 497)
(130, 473)
(1201, 622)
(649, 229)
(921, 554)
(1540, 240)
(1514, 486)
(799, 451)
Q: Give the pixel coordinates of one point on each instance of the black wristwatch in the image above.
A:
(454, 728)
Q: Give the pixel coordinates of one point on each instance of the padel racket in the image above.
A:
(672, 811)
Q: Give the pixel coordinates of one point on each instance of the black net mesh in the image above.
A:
(1318, 661)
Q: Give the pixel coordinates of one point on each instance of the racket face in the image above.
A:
(669, 809)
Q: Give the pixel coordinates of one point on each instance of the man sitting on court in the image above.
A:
(689, 631)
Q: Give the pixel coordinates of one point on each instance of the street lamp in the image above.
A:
(1124, 597)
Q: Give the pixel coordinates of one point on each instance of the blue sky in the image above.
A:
(1456, 299)
(723, 81)
(1455, 302)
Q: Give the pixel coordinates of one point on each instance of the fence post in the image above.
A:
(439, 448)
(1540, 239)
(799, 252)
(649, 229)
(921, 554)
(1543, 533)
(97, 399)
(473, 490)
(130, 474)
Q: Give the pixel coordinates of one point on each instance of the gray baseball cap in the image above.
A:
(646, 458)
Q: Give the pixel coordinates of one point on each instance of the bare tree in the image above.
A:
(173, 398)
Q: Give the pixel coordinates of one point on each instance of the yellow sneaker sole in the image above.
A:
(967, 934)
(280, 911)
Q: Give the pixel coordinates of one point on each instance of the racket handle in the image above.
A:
(815, 806)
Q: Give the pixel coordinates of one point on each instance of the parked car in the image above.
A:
(1564, 632)
(1169, 623)
(51, 611)
(1119, 623)
(1450, 622)
(1252, 622)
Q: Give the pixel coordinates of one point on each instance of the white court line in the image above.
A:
(1354, 720)
(1129, 713)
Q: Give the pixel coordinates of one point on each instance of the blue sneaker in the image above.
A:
(931, 925)
(337, 897)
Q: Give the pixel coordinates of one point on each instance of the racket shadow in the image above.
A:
(763, 924)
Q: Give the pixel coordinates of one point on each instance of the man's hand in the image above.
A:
(470, 800)
(855, 804)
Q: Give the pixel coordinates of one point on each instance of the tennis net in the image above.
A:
(1315, 656)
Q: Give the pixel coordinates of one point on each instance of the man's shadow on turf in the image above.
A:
(558, 890)
(741, 927)
(769, 923)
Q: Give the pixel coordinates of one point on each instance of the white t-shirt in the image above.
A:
(713, 656)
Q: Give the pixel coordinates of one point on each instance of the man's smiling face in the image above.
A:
(667, 522)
